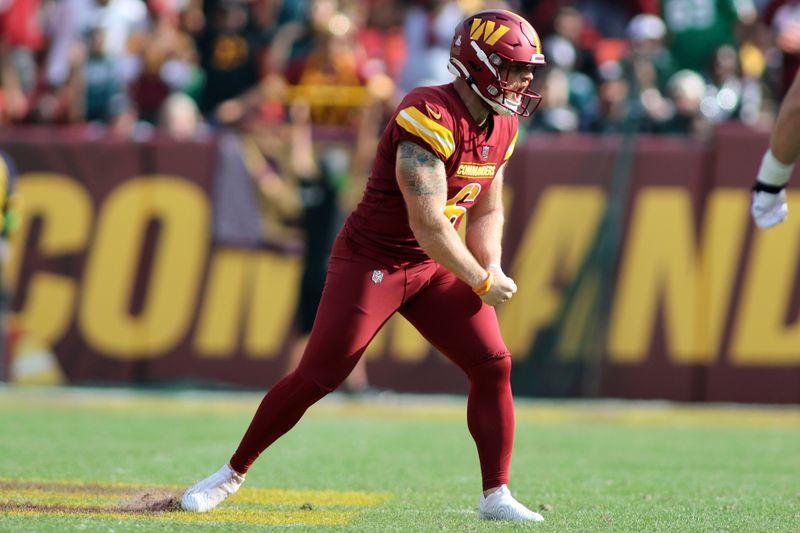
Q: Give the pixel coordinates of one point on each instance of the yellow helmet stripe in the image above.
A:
(537, 41)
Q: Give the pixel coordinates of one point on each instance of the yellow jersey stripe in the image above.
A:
(511, 146)
(437, 136)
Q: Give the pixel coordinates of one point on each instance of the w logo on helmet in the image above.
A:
(485, 30)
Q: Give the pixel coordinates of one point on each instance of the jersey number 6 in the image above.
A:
(468, 193)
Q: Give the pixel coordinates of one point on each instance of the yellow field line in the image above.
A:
(129, 502)
(79, 498)
(316, 497)
(224, 516)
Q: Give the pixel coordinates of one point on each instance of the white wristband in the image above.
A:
(494, 265)
(773, 172)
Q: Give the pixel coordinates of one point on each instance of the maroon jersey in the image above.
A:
(438, 120)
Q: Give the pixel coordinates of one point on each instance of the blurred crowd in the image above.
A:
(665, 66)
(659, 66)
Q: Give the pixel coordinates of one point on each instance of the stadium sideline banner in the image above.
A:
(121, 272)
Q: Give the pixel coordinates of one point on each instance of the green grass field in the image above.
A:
(102, 460)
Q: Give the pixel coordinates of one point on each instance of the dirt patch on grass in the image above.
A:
(153, 501)
(132, 500)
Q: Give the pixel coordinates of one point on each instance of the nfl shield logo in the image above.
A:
(377, 276)
(484, 152)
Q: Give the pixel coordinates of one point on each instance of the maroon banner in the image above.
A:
(640, 274)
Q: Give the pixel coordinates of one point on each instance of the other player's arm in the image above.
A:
(422, 179)
(485, 227)
(785, 140)
(769, 198)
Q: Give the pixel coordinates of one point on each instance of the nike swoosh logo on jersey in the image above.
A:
(433, 113)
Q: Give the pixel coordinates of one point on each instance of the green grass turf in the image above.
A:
(592, 466)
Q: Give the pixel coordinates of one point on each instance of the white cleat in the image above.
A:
(501, 505)
(207, 494)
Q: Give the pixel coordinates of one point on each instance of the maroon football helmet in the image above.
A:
(486, 47)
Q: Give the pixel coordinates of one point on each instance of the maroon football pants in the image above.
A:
(360, 296)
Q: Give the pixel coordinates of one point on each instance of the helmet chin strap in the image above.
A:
(457, 68)
(497, 107)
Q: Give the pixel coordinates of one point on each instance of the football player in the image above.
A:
(442, 155)
(769, 197)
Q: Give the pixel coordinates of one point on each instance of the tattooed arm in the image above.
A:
(423, 182)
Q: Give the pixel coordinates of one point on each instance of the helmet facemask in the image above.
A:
(521, 102)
